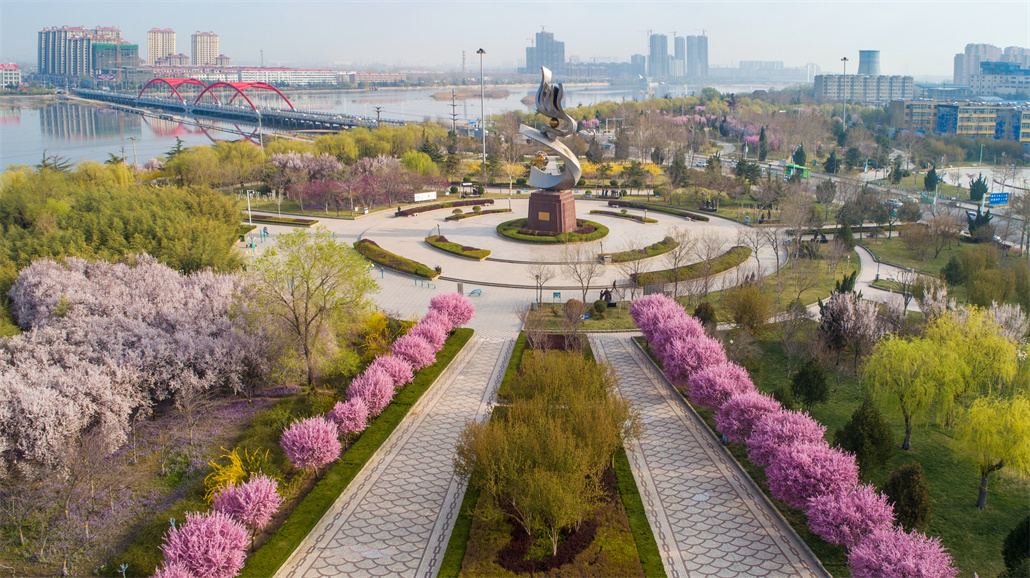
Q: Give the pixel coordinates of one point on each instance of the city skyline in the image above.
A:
(434, 34)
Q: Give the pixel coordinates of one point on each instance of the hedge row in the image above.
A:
(441, 242)
(380, 256)
(283, 221)
(660, 208)
(435, 206)
(661, 247)
(467, 215)
(516, 229)
(638, 218)
(723, 262)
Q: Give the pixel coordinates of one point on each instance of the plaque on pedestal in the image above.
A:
(552, 211)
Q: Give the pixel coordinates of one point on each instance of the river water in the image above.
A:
(30, 126)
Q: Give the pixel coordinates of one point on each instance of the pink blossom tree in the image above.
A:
(210, 545)
(311, 443)
(252, 503)
(350, 416)
(776, 430)
(432, 331)
(455, 306)
(398, 369)
(173, 570)
(677, 326)
(847, 517)
(685, 357)
(652, 311)
(893, 553)
(805, 470)
(738, 416)
(374, 387)
(712, 386)
(415, 350)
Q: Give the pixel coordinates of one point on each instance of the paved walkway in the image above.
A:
(707, 516)
(396, 516)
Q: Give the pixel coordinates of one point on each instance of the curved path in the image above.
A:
(708, 517)
(396, 515)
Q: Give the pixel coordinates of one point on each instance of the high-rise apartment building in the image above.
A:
(697, 56)
(867, 89)
(68, 50)
(160, 43)
(547, 52)
(203, 48)
(968, 63)
(638, 64)
(658, 56)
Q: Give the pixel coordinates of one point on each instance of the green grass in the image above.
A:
(441, 242)
(973, 537)
(417, 209)
(450, 567)
(614, 318)
(637, 218)
(661, 209)
(461, 216)
(894, 251)
(647, 547)
(915, 183)
(660, 248)
(724, 262)
(298, 222)
(291, 206)
(380, 256)
(267, 560)
(513, 230)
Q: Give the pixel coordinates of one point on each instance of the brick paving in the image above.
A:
(707, 517)
(396, 516)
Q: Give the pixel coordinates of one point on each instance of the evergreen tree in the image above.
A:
(980, 227)
(977, 188)
(846, 235)
(677, 171)
(907, 489)
(1016, 550)
(432, 149)
(930, 180)
(595, 153)
(657, 155)
(832, 164)
(808, 385)
(847, 284)
(621, 145)
(868, 436)
(800, 156)
(763, 146)
(852, 157)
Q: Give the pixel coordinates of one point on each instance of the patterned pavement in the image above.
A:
(396, 516)
(706, 515)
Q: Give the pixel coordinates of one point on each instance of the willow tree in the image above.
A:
(993, 433)
(906, 376)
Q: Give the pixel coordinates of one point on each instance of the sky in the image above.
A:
(918, 38)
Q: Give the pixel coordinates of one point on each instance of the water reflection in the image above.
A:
(80, 123)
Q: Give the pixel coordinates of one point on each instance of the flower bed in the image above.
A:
(660, 208)
(447, 205)
(802, 469)
(724, 262)
(586, 231)
(380, 256)
(467, 215)
(283, 221)
(660, 248)
(638, 218)
(441, 242)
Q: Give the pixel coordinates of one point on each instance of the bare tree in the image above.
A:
(792, 324)
(541, 273)
(798, 215)
(679, 256)
(753, 238)
(944, 230)
(192, 401)
(633, 268)
(572, 316)
(839, 250)
(776, 238)
(708, 249)
(804, 275)
(581, 264)
(908, 280)
(533, 326)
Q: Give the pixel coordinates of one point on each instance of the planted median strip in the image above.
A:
(659, 208)
(519, 230)
(624, 215)
(724, 262)
(294, 221)
(381, 256)
(441, 242)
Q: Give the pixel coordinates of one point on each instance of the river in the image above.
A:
(31, 125)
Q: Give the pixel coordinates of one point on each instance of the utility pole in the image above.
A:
(482, 110)
(134, 159)
(379, 111)
(463, 64)
(844, 91)
(262, 51)
(454, 114)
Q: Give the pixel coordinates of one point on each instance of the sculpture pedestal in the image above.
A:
(552, 211)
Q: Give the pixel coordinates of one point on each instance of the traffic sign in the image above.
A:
(998, 199)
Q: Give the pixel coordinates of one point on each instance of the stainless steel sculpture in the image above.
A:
(549, 103)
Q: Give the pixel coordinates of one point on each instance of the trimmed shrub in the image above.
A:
(723, 262)
(705, 313)
(311, 443)
(685, 357)
(350, 416)
(415, 350)
(738, 416)
(252, 503)
(776, 430)
(397, 368)
(374, 387)
(587, 231)
(712, 386)
(624, 215)
(805, 470)
(894, 553)
(659, 208)
(846, 517)
(212, 545)
(908, 491)
(454, 306)
(446, 205)
(868, 436)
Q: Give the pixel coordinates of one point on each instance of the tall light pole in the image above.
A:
(844, 91)
(482, 110)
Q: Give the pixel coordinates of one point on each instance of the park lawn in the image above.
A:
(615, 318)
(973, 537)
(894, 251)
(915, 183)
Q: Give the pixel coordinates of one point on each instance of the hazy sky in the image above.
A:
(919, 38)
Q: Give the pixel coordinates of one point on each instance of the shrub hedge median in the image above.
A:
(380, 256)
(586, 231)
(723, 262)
(441, 242)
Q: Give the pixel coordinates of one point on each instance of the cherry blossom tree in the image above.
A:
(738, 416)
(712, 386)
(311, 443)
(801, 471)
(397, 367)
(374, 387)
(173, 570)
(432, 331)
(350, 416)
(210, 545)
(456, 307)
(651, 312)
(415, 350)
(847, 517)
(677, 326)
(776, 430)
(252, 503)
(684, 357)
(894, 553)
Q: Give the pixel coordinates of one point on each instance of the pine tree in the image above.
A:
(868, 436)
(907, 489)
(977, 188)
(832, 164)
(809, 384)
(763, 146)
(800, 156)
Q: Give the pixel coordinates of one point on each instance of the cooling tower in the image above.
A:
(869, 62)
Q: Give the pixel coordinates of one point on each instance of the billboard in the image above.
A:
(430, 196)
(105, 77)
(998, 199)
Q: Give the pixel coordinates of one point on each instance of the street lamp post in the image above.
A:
(844, 91)
(250, 215)
(482, 110)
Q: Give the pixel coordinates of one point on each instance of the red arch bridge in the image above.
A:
(212, 100)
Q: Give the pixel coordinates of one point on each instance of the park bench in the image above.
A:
(476, 293)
